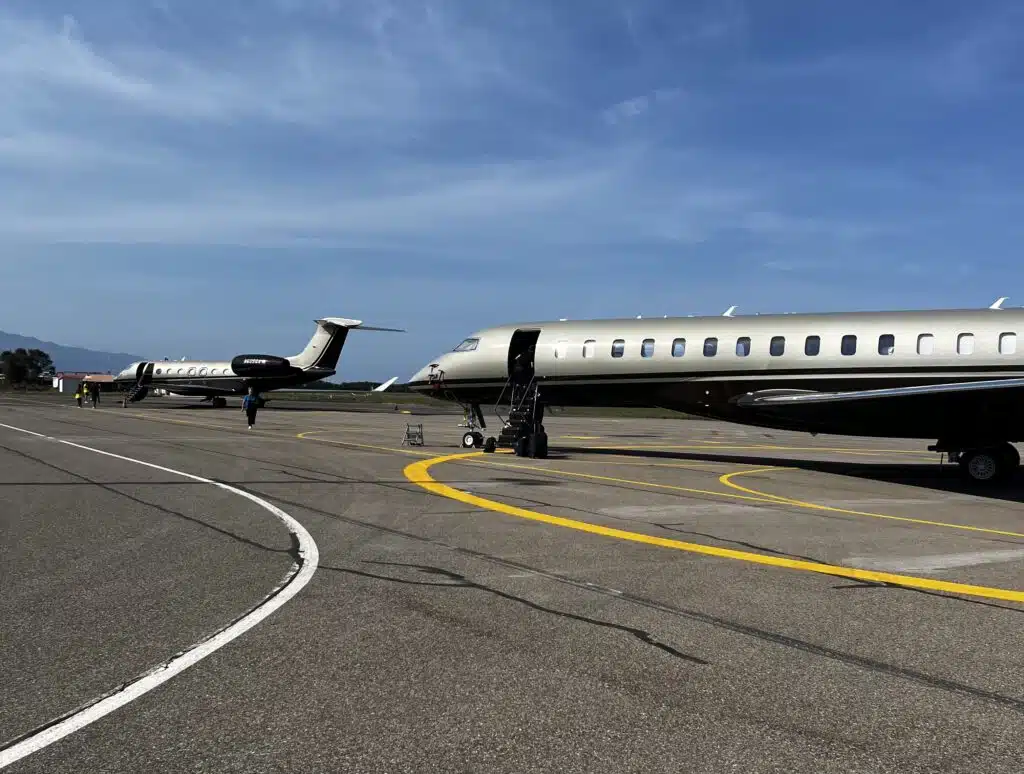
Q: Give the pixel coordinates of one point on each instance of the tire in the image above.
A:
(478, 439)
(468, 440)
(984, 465)
(490, 445)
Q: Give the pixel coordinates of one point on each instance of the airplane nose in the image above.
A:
(424, 375)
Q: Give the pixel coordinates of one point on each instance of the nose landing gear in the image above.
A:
(473, 438)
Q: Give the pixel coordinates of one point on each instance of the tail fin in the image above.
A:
(324, 349)
(388, 383)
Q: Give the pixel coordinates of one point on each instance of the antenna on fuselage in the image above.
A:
(728, 312)
(998, 303)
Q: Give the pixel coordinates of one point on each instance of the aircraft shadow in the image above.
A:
(930, 475)
(374, 408)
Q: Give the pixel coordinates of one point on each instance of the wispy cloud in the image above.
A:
(637, 106)
(715, 142)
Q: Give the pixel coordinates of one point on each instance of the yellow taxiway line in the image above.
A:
(727, 480)
(419, 473)
(748, 494)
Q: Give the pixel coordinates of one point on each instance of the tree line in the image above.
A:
(25, 366)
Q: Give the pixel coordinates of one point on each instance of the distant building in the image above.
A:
(70, 381)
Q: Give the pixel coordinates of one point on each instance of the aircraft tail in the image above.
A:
(324, 349)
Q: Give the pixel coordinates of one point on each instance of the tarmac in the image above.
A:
(656, 596)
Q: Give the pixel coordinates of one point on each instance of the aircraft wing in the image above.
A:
(189, 390)
(781, 398)
(379, 388)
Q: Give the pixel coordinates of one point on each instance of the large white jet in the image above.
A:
(953, 375)
(216, 380)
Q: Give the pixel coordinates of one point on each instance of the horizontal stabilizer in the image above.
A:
(344, 322)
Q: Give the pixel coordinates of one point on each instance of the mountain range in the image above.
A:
(70, 358)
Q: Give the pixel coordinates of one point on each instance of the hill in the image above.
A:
(70, 358)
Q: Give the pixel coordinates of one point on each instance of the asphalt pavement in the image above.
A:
(657, 596)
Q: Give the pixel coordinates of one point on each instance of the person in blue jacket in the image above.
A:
(250, 404)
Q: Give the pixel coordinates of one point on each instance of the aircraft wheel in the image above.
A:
(490, 445)
(984, 465)
(468, 440)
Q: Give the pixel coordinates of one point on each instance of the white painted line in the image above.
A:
(298, 576)
(934, 562)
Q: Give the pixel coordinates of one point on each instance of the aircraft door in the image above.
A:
(521, 355)
(147, 373)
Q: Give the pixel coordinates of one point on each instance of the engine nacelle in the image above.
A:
(261, 365)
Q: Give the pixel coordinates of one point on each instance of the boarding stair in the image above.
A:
(136, 393)
(523, 431)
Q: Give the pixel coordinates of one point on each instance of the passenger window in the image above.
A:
(812, 345)
(561, 349)
(848, 345)
(160, 370)
(1007, 343)
(191, 371)
(618, 347)
(925, 344)
(743, 346)
(777, 346)
(965, 344)
(886, 344)
(647, 348)
(678, 347)
(710, 347)
(589, 347)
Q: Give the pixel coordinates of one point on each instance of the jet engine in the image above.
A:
(262, 365)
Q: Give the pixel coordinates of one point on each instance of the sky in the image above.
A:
(193, 178)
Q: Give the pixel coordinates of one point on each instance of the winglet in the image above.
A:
(388, 383)
(998, 303)
(728, 312)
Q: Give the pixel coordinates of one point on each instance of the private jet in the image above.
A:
(954, 376)
(217, 380)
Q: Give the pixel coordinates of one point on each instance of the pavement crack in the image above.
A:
(747, 630)
(292, 551)
(457, 580)
(867, 584)
(754, 546)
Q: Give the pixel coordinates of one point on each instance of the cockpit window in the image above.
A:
(467, 346)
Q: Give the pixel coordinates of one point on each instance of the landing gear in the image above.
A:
(473, 438)
(219, 402)
(983, 463)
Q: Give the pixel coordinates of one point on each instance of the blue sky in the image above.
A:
(194, 178)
